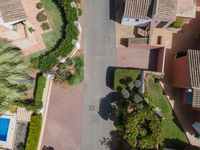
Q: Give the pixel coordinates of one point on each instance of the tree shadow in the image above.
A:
(107, 106)
(178, 145)
(115, 142)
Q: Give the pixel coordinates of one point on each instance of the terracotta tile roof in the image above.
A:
(12, 10)
(194, 67)
(166, 9)
(139, 9)
(196, 98)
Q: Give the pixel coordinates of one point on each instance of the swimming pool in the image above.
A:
(4, 124)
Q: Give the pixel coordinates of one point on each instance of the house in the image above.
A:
(186, 76)
(11, 13)
(161, 13)
(142, 12)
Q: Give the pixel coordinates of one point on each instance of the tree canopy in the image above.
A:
(14, 78)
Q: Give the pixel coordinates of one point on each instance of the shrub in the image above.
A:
(41, 16)
(39, 5)
(45, 26)
(178, 23)
(71, 73)
(21, 146)
(34, 132)
(40, 85)
(31, 30)
(65, 46)
(80, 12)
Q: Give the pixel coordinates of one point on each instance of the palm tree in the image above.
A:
(14, 79)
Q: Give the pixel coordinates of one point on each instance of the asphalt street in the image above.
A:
(100, 54)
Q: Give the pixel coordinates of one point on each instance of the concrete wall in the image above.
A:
(133, 22)
(161, 60)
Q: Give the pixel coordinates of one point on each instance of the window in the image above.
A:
(137, 20)
(161, 24)
(159, 40)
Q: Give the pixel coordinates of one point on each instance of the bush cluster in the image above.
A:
(41, 16)
(71, 73)
(45, 26)
(34, 132)
(39, 5)
(64, 46)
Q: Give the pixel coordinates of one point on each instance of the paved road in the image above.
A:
(99, 46)
(64, 119)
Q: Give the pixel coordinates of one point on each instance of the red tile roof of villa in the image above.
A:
(12, 10)
(194, 67)
(194, 70)
(140, 9)
(196, 98)
(166, 9)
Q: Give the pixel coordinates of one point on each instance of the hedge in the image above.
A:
(64, 46)
(34, 132)
(40, 85)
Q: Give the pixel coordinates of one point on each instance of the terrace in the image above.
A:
(142, 57)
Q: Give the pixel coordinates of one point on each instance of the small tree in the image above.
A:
(39, 5)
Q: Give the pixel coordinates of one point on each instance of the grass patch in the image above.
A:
(171, 128)
(40, 85)
(55, 20)
(34, 132)
(123, 74)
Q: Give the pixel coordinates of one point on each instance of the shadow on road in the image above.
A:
(110, 76)
(115, 142)
(106, 107)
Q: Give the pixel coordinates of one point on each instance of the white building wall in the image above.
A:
(135, 22)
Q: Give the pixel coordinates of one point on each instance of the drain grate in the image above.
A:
(91, 108)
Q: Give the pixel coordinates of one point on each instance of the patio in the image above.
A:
(21, 36)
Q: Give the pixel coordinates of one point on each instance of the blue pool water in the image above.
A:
(4, 124)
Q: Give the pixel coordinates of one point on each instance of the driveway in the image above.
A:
(64, 119)
(99, 46)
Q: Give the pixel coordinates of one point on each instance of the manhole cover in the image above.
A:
(91, 108)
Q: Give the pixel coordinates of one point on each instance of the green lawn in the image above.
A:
(55, 20)
(121, 74)
(171, 128)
